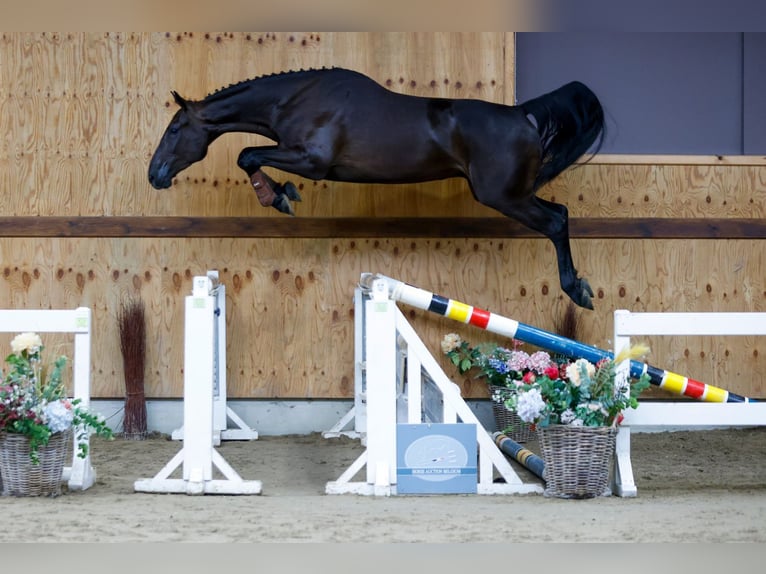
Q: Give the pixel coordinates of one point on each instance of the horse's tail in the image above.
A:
(569, 120)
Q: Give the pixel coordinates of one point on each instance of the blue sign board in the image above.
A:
(436, 458)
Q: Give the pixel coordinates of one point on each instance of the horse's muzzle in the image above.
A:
(160, 178)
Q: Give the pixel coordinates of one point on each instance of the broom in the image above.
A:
(133, 346)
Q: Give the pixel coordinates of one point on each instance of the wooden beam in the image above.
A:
(318, 227)
(649, 159)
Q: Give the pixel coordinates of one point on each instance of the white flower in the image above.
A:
(450, 342)
(596, 406)
(29, 342)
(58, 415)
(574, 371)
(567, 416)
(530, 405)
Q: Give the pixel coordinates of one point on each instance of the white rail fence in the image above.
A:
(80, 475)
(687, 413)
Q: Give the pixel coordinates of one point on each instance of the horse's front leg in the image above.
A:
(269, 192)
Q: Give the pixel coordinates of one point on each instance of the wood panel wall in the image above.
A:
(80, 115)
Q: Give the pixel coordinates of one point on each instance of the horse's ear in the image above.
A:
(179, 100)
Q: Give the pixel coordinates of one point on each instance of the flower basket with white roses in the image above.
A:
(574, 406)
(504, 370)
(35, 413)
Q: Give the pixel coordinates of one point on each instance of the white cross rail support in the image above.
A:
(386, 329)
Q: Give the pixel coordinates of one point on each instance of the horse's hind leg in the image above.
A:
(558, 226)
(552, 220)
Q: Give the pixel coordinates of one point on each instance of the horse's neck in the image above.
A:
(249, 109)
(246, 111)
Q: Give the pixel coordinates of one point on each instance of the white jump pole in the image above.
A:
(81, 474)
(198, 455)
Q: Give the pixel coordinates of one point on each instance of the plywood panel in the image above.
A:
(693, 191)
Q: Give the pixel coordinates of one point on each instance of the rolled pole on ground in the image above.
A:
(506, 327)
(522, 455)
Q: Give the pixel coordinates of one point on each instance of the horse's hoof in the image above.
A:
(586, 302)
(291, 191)
(281, 203)
(585, 295)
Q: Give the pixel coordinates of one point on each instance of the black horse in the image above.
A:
(340, 125)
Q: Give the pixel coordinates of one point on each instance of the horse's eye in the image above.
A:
(174, 130)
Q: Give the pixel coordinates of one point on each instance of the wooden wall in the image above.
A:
(80, 115)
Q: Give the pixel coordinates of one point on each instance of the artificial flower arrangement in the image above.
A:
(543, 391)
(33, 402)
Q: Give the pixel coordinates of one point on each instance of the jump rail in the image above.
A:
(421, 299)
(81, 474)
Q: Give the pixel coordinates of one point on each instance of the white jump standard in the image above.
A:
(222, 412)
(681, 414)
(423, 393)
(198, 455)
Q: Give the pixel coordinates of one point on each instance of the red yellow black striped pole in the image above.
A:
(427, 301)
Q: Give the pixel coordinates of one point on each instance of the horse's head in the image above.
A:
(184, 142)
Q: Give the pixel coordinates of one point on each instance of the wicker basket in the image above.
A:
(22, 478)
(578, 460)
(506, 420)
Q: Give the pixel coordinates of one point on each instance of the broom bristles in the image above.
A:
(132, 329)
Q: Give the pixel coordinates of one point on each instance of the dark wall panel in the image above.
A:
(664, 93)
(754, 136)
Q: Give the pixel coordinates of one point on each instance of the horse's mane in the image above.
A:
(232, 89)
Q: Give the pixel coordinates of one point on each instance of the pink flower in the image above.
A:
(529, 377)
